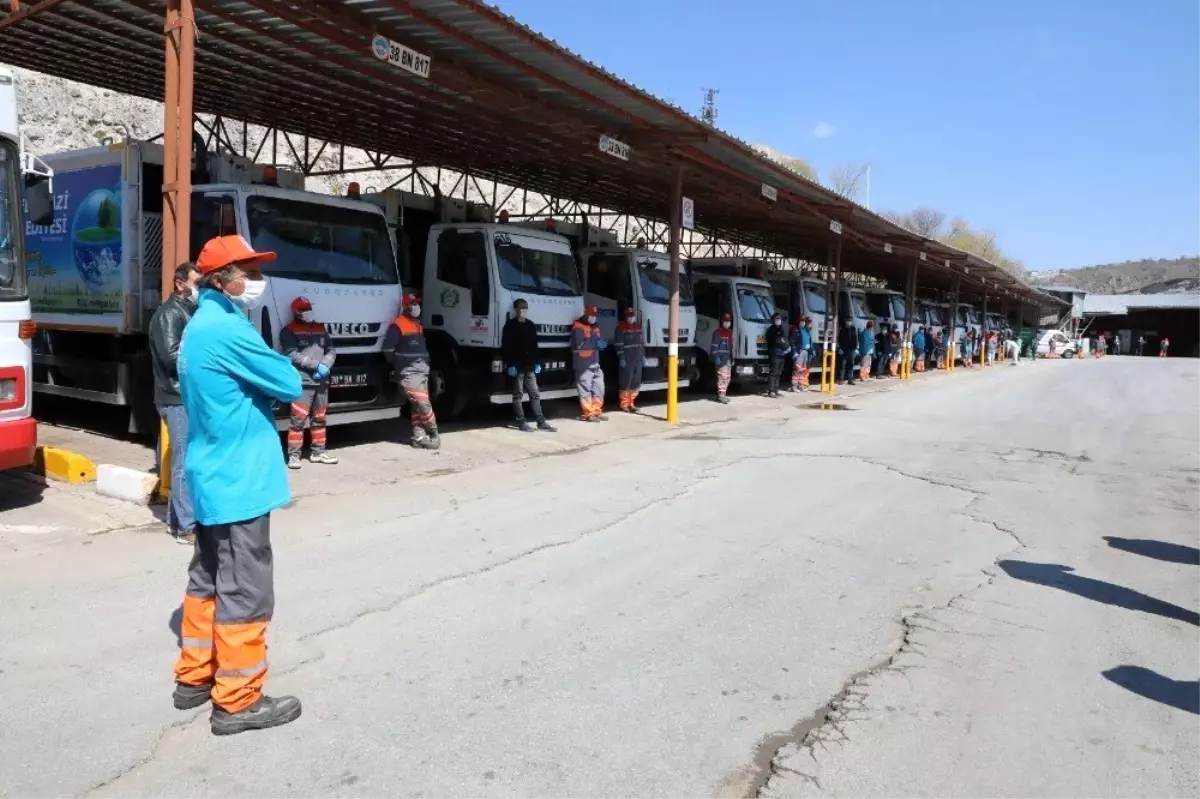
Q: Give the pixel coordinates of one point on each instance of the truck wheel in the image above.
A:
(706, 376)
(447, 393)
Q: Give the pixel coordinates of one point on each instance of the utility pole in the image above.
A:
(708, 113)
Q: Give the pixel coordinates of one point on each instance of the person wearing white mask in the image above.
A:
(166, 331)
(310, 348)
(228, 379)
(407, 353)
(631, 356)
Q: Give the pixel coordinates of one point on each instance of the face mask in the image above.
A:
(631, 319)
(591, 320)
(304, 316)
(251, 298)
(727, 325)
(520, 313)
(778, 323)
(414, 310)
(194, 293)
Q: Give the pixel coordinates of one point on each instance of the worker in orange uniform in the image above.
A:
(721, 355)
(311, 349)
(228, 380)
(586, 344)
(631, 356)
(405, 349)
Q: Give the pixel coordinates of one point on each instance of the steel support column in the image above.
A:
(673, 313)
(984, 327)
(180, 35)
(952, 338)
(829, 365)
(910, 313)
(179, 32)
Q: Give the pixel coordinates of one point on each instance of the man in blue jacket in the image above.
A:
(234, 467)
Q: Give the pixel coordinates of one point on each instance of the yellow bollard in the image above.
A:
(673, 384)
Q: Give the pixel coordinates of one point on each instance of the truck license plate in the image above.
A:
(349, 379)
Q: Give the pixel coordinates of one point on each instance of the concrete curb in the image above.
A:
(130, 485)
(63, 465)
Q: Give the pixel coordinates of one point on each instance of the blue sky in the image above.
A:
(1071, 128)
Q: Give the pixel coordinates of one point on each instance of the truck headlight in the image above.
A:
(745, 370)
(8, 390)
(652, 362)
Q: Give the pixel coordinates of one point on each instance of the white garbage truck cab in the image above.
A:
(616, 278)
(724, 286)
(889, 308)
(96, 280)
(470, 270)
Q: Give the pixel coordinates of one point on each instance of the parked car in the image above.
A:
(1063, 346)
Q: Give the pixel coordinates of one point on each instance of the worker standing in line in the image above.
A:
(405, 349)
(229, 378)
(993, 345)
(801, 342)
(918, 342)
(1141, 344)
(310, 348)
(721, 355)
(968, 349)
(1163, 346)
(847, 355)
(866, 349)
(166, 331)
(777, 352)
(896, 353)
(523, 361)
(631, 355)
(586, 344)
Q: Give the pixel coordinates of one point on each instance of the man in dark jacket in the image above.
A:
(847, 352)
(778, 350)
(523, 361)
(166, 331)
(310, 349)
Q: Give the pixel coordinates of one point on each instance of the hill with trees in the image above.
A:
(1157, 276)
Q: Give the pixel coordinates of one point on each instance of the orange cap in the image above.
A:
(411, 299)
(222, 251)
(301, 304)
(726, 317)
(591, 310)
(630, 312)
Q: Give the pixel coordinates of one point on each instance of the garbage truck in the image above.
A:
(95, 274)
(25, 187)
(616, 278)
(733, 286)
(469, 270)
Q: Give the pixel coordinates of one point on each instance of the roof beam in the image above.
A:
(27, 12)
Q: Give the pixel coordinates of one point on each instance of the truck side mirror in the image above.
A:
(38, 199)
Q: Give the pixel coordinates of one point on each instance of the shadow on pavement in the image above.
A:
(20, 489)
(1159, 550)
(175, 624)
(1063, 578)
(1152, 685)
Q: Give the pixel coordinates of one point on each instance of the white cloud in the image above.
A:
(824, 130)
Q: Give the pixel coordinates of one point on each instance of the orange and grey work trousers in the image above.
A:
(228, 604)
(414, 379)
(310, 407)
(724, 377)
(590, 385)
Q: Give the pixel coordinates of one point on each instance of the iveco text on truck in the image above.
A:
(94, 273)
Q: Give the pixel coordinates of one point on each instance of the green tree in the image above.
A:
(106, 215)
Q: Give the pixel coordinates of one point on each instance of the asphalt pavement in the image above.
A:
(973, 584)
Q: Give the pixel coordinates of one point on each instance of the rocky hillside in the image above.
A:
(1163, 275)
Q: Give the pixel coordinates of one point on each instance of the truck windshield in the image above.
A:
(524, 266)
(654, 278)
(899, 309)
(858, 306)
(972, 316)
(879, 305)
(814, 298)
(961, 317)
(755, 303)
(321, 242)
(12, 271)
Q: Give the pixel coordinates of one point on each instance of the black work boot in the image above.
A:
(266, 712)
(187, 697)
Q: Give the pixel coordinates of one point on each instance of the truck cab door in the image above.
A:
(458, 296)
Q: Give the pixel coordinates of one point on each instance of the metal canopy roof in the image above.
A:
(499, 100)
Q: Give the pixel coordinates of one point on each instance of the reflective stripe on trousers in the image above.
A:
(800, 369)
(724, 376)
(629, 383)
(590, 385)
(415, 382)
(310, 407)
(229, 602)
(864, 370)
